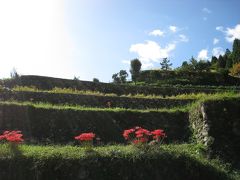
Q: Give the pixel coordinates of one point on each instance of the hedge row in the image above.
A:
(217, 124)
(185, 77)
(61, 125)
(93, 100)
(42, 82)
(118, 163)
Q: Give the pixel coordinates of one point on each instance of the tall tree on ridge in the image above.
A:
(236, 51)
(135, 69)
(165, 64)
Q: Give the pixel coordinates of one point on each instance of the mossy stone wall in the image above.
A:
(216, 123)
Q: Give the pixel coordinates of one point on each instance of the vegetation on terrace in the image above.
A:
(84, 108)
(229, 92)
(68, 161)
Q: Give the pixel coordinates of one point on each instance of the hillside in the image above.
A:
(201, 123)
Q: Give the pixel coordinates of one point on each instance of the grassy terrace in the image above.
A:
(230, 92)
(84, 108)
(161, 84)
(39, 162)
(58, 124)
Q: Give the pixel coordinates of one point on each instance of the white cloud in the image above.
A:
(147, 65)
(206, 10)
(32, 41)
(156, 32)
(217, 51)
(233, 33)
(126, 62)
(219, 28)
(203, 54)
(151, 51)
(230, 33)
(173, 28)
(183, 38)
(215, 41)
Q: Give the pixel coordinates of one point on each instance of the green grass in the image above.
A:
(96, 93)
(186, 152)
(84, 108)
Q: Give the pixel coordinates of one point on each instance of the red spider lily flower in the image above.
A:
(140, 140)
(127, 133)
(12, 136)
(158, 133)
(2, 137)
(141, 132)
(85, 137)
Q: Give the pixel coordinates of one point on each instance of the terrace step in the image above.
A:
(59, 124)
(181, 162)
(94, 100)
(46, 83)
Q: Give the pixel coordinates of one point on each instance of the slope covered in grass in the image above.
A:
(168, 162)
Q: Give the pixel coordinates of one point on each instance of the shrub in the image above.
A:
(235, 71)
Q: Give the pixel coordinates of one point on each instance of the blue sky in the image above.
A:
(96, 38)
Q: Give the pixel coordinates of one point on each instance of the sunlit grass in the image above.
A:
(85, 108)
(194, 152)
(96, 93)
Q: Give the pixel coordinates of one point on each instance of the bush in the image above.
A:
(235, 70)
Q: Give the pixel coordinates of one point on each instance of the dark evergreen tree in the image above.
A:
(235, 56)
(193, 63)
(221, 62)
(203, 65)
(229, 63)
(228, 59)
(228, 52)
(214, 60)
(135, 69)
(165, 64)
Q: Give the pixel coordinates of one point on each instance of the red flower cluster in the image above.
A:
(158, 134)
(140, 135)
(85, 137)
(12, 136)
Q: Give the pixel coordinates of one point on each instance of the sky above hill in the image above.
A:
(96, 38)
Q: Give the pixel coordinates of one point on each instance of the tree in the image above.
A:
(185, 67)
(229, 62)
(116, 78)
(228, 52)
(120, 77)
(221, 62)
(203, 65)
(123, 76)
(193, 63)
(96, 80)
(235, 56)
(165, 64)
(228, 59)
(235, 70)
(135, 69)
(214, 60)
